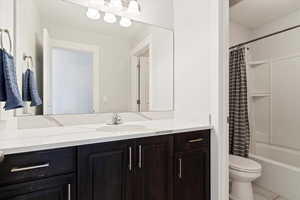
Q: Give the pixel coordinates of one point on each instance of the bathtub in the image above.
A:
(281, 170)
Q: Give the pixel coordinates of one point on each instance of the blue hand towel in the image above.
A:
(30, 91)
(25, 86)
(9, 82)
(2, 80)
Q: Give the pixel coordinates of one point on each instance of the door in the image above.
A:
(47, 108)
(144, 83)
(71, 77)
(105, 171)
(192, 174)
(72, 69)
(154, 168)
(58, 188)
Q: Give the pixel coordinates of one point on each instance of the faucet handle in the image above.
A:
(1, 156)
(116, 119)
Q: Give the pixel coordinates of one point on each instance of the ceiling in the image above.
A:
(255, 13)
(233, 2)
(66, 14)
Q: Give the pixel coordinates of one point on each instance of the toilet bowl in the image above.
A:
(242, 172)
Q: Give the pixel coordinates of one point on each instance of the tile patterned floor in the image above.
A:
(263, 194)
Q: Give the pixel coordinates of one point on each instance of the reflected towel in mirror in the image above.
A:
(30, 91)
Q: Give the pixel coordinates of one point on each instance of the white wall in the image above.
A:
(219, 64)
(283, 53)
(28, 42)
(162, 66)
(200, 42)
(157, 12)
(192, 41)
(6, 18)
(280, 24)
(238, 33)
(6, 22)
(115, 93)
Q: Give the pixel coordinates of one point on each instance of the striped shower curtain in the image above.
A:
(239, 131)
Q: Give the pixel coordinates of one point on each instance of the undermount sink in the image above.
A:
(122, 128)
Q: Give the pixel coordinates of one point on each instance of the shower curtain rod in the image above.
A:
(266, 36)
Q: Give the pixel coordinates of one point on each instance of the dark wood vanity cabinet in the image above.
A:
(136, 169)
(43, 175)
(154, 167)
(54, 188)
(192, 171)
(170, 167)
(105, 171)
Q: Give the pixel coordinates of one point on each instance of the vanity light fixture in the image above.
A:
(125, 22)
(110, 18)
(116, 5)
(96, 2)
(93, 14)
(133, 8)
(111, 9)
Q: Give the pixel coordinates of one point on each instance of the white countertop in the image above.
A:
(27, 140)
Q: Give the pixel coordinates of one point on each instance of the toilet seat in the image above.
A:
(243, 164)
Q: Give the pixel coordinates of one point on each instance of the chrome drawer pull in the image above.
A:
(29, 168)
(196, 140)
(130, 159)
(180, 168)
(140, 156)
(69, 191)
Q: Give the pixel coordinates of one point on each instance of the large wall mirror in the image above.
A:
(80, 65)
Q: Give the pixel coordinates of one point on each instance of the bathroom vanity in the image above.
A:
(63, 148)
(164, 167)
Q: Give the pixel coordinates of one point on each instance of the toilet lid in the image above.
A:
(243, 164)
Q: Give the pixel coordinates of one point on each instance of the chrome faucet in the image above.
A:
(116, 119)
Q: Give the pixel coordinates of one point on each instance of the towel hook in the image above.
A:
(9, 38)
(1, 42)
(29, 61)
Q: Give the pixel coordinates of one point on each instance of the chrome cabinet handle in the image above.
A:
(1, 156)
(140, 156)
(17, 169)
(180, 168)
(130, 159)
(69, 191)
(196, 140)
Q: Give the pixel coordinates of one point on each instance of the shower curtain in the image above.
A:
(239, 131)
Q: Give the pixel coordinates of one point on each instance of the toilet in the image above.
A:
(242, 172)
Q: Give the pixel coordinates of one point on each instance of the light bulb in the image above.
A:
(133, 8)
(125, 22)
(116, 5)
(93, 13)
(110, 18)
(96, 2)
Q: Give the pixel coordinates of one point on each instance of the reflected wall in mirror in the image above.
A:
(81, 65)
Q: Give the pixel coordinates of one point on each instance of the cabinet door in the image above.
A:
(192, 174)
(58, 188)
(104, 171)
(154, 168)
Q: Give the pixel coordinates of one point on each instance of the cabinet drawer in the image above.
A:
(35, 165)
(192, 141)
(61, 187)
